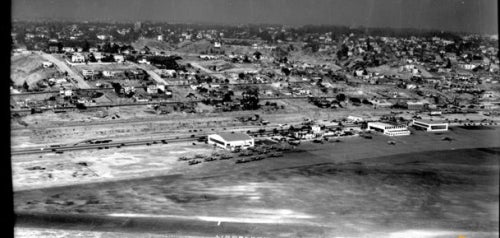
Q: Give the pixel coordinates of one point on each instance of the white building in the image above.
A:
(68, 49)
(47, 64)
(102, 37)
(143, 61)
(208, 57)
(108, 74)
(388, 129)
(430, 126)
(354, 119)
(152, 89)
(231, 141)
(87, 73)
(98, 56)
(119, 58)
(77, 58)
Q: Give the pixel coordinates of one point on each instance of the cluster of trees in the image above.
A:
(250, 99)
(169, 62)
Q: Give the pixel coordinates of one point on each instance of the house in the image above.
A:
(217, 44)
(66, 93)
(415, 105)
(170, 72)
(53, 49)
(119, 58)
(208, 57)
(77, 58)
(61, 81)
(231, 141)
(355, 119)
(143, 61)
(68, 49)
(151, 89)
(102, 37)
(108, 74)
(47, 64)
(467, 66)
(304, 135)
(98, 56)
(88, 73)
(161, 88)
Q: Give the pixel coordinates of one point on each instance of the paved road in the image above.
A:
(152, 74)
(37, 150)
(205, 70)
(64, 67)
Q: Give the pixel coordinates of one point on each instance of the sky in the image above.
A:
(476, 16)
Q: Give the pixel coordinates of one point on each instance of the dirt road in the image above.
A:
(153, 75)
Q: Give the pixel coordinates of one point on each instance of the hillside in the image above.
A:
(152, 44)
(29, 68)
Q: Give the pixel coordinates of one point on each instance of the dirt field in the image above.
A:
(357, 187)
(29, 68)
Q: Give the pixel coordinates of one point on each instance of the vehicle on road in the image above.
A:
(294, 142)
(239, 161)
(276, 154)
(193, 162)
(210, 159)
(224, 157)
(183, 158)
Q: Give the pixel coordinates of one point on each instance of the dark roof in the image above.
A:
(234, 136)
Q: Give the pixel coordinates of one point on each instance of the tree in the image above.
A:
(227, 96)
(246, 60)
(286, 71)
(26, 86)
(241, 75)
(250, 99)
(342, 53)
(257, 55)
(340, 97)
(86, 46)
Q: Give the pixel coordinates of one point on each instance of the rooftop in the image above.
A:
(234, 136)
(429, 122)
(382, 124)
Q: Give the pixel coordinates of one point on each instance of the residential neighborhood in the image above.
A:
(164, 126)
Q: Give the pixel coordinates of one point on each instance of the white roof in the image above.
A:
(233, 136)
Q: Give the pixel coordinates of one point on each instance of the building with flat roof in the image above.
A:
(231, 141)
(430, 126)
(388, 129)
(415, 105)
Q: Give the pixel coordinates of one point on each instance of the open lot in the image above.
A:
(28, 67)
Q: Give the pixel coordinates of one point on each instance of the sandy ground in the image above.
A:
(346, 189)
(22, 232)
(29, 68)
(38, 171)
